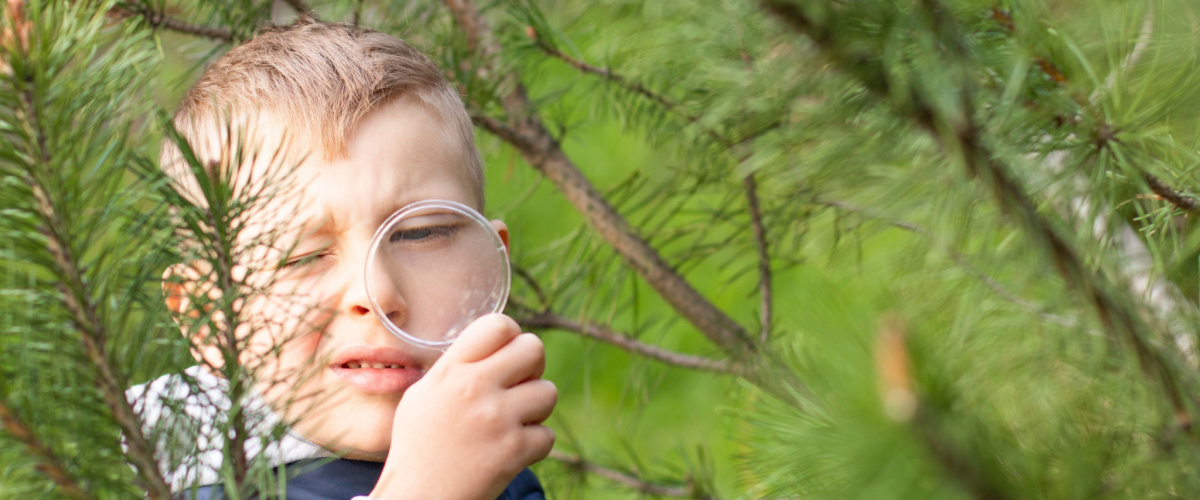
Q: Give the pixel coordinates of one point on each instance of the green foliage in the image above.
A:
(943, 349)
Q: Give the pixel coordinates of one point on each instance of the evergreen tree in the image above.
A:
(843, 249)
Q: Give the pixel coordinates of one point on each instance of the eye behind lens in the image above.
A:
(423, 235)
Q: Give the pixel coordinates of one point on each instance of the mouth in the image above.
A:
(356, 365)
(376, 370)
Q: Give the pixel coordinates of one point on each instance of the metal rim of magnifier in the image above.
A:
(453, 206)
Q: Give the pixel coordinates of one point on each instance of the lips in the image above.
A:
(376, 370)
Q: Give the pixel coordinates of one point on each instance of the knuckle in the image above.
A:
(533, 343)
(488, 415)
(511, 443)
(471, 389)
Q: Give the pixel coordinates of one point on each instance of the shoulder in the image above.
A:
(524, 487)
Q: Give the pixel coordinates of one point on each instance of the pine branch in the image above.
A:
(539, 148)
(83, 310)
(764, 256)
(533, 285)
(624, 341)
(1163, 295)
(526, 132)
(48, 462)
(659, 99)
(959, 132)
(608, 74)
(1185, 202)
(688, 489)
(163, 21)
(749, 182)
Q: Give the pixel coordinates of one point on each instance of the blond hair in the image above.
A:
(319, 80)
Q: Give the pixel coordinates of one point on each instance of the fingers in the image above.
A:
(534, 400)
(482, 338)
(539, 440)
(522, 358)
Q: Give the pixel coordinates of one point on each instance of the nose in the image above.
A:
(383, 298)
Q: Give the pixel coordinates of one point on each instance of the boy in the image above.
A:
(373, 126)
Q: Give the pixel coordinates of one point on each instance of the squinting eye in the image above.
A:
(303, 261)
(420, 234)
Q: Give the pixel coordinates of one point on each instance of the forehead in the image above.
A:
(398, 154)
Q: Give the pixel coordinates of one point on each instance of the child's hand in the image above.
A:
(474, 421)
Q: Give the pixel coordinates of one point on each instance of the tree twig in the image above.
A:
(607, 74)
(526, 132)
(539, 148)
(302, 8)
(48, 462)
(688, 489)
(624, 341)
(750, 185)
(533, 285)
(1181, 201)
(163, 21)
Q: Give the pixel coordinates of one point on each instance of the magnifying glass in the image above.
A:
(434, 267)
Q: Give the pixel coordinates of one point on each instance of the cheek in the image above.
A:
(283, 325)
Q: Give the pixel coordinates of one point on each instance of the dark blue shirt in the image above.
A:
(342, 479)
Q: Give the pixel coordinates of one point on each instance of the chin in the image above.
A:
(357, 431)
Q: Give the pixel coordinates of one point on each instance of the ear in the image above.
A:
(180, 284)
(502, 230)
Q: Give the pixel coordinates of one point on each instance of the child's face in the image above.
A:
(347, 371)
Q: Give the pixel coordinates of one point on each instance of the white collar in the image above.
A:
(181, 414)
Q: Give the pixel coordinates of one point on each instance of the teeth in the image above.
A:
(378, 366)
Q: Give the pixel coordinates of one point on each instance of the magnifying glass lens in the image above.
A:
(434, 267)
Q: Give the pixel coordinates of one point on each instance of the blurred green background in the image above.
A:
(873, 223)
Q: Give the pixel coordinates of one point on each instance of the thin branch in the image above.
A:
(163, 21)
(660, 99)
(540, 149)
(84, 314)
(1182, 201)
(48, 462)
(533, 285)
(687, 490)
(624, 341)
(526, 132)
(764, 256)
(1053, 72)
(959, 132)
(609, 75)
(303, 9)
(750, 182)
